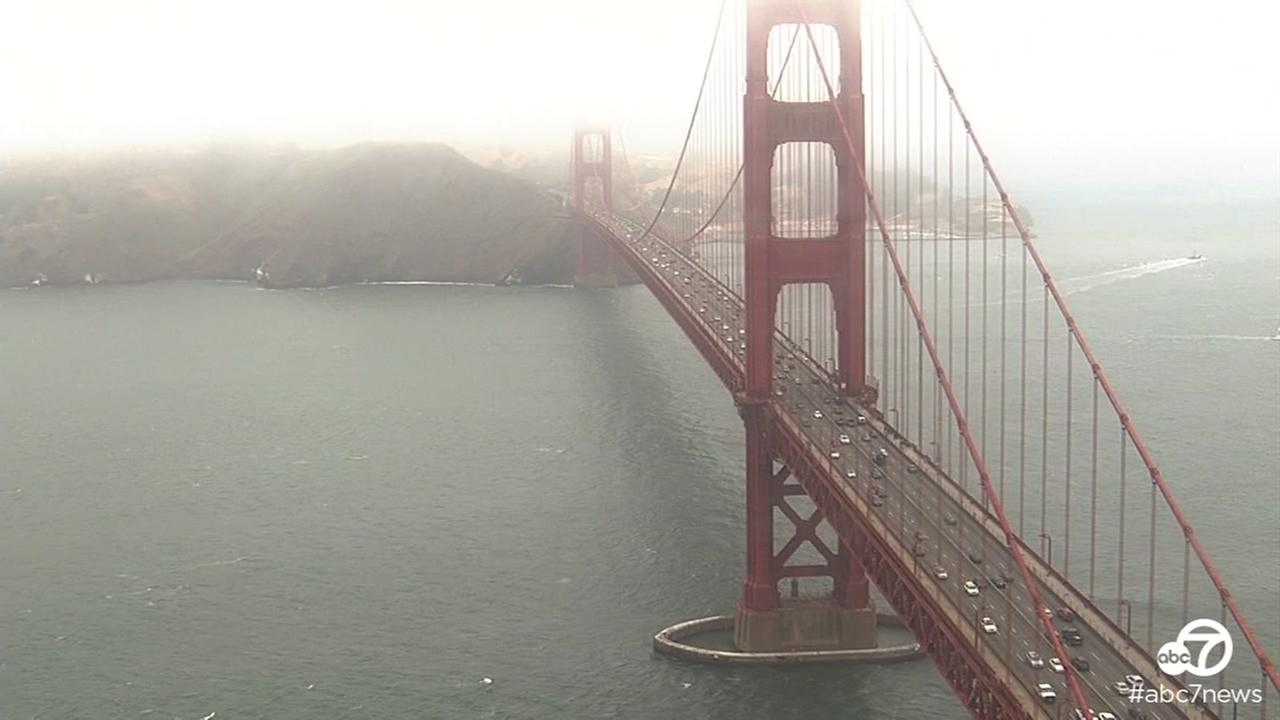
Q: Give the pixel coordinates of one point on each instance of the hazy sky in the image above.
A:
(1080, 89)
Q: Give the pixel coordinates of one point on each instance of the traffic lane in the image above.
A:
(1101, 696)
(802, 400)
(1008, 603)
(828, 431)
(1018, 632)
(901, 512)
(726, 306)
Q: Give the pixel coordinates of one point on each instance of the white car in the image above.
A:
(835, 454)
(970, 588)
(817, 414)
(940, 573)
(862, 419)
(1034, 660)
(989, 626)
(1121, 687)
(1046, 693)
(1135, 681)
(844, 440)
(1056, 665)
(851, 474)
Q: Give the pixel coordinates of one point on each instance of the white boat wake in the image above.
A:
(1084, 283)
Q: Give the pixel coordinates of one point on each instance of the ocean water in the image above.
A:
(363, 502)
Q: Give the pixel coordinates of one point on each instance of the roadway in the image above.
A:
(941, 532)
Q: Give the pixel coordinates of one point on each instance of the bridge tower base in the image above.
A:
(805, 625)
(844, 619)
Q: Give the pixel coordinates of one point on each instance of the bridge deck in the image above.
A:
(919, 515)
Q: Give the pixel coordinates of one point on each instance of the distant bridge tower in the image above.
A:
(592, 155)
(847, 619)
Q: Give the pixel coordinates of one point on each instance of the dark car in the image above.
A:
(1080, 663)
(998, 581)
(1066, 613)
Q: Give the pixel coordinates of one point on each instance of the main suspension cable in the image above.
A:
(693, 119)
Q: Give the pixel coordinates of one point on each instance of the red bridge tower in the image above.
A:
(847, 618)
(593, 187)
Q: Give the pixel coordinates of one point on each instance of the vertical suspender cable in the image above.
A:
(1124, 439)
(985, 263)
(937, 301)
(1004, 333)
(920, 254)
(884, 189)
(951, 252)
(1066, 522)
(1044, 422)
(1151, 572)
(1093, 496)
(904, 409)
(874, 162)
(1186, 580)
(968, 241)
(1022, 401)
(897, 198)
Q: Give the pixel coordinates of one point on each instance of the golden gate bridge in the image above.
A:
(836, 243)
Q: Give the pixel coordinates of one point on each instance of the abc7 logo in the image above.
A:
(1175, 658)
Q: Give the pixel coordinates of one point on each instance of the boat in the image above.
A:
(1195, 256)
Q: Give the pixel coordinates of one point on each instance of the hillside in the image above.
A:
(363, 213)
